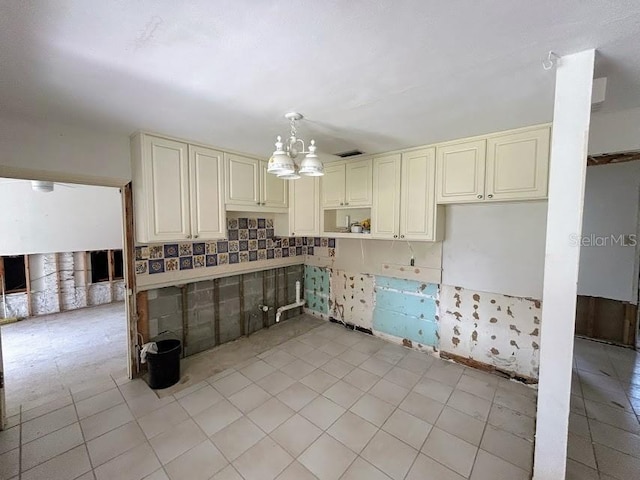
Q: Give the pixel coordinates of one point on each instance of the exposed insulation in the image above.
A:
(498, 330)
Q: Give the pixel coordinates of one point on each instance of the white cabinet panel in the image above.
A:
(208, 217)
(460, 172)
(304, 214)
(418, 212)
(333, 185)
(243, 187)
(166, 185)
(517, 165)
(385, 212)
(358, 183)
(273, 190)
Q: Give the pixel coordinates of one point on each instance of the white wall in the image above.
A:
(61, 152)
(74, 218)
(611, 200)
(614, 132)
(497, 248)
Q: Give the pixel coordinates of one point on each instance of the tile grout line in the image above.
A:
(20, 444)
(84, 440)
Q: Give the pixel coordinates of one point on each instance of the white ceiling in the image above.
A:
(374, 75)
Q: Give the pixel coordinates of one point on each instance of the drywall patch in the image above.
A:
(352, 297)
(406, 309)
(498, 330)
(316, 289)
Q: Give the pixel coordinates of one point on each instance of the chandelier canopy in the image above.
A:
(282, 163)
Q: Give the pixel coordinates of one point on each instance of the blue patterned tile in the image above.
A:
(316, 241)
(304, 241)
(139, 253)
(262, 244)
(285, 252)
(199, 249)
(277, 252)
(298, 241)
(223, 247)
(270, 253)
(332, 243)
(309, 250)
(156, 266)
(253, 234)
(244, 245)
(304, 250)
(262, 223)
(233, 234)
(292, 251)
(324, 242)
(234, 258)
(253, 255)
(243, 223)
(171, 250)
(298, 250)
(270, 233)
(141, 267)
(253, 223)
(186, 263)
(212, 260)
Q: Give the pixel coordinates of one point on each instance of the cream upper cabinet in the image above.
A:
(177, 190)
(420, 217)
(385, 211)
(404, 204)
(304, 213)
(208, 217)
(347, 184)
(460, 172)
(518, 165)
(249, 185)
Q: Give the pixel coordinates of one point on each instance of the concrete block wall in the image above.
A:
(221, 310)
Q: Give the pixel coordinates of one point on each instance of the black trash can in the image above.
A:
(164, 366)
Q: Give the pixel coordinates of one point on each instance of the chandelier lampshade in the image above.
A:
(282, 163)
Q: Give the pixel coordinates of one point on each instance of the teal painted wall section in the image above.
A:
(316, 288)
(406, 309)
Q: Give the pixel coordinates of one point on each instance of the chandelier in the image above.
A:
(282, 163)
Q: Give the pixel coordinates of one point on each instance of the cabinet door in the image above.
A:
(166, 177)
(385, 212)
(304, 213)
(243, 187)
(358, 189)
(206, 174)
(460, 172)
(518, 165)
(418, 205)
(274, 190)
(332, 185)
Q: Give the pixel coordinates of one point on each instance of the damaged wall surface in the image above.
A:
(352, 297)
(496, 330)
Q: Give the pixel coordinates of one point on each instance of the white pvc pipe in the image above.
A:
(297, 291)
(299, 303)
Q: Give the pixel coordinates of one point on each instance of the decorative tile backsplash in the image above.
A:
(248, 240)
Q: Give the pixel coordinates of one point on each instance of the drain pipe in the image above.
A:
(299, 303)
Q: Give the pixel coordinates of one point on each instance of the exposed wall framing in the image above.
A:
(609, 158)
(605, 319)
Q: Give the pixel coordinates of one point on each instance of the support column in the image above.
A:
(572, 113)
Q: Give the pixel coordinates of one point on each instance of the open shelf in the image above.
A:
(335, 221)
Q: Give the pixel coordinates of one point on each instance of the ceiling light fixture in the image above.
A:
(282, 162)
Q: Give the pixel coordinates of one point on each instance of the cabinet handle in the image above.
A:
(195, 236)
(490, 195)
(264, 203)
(257, 203)
(401, 236)
(395, 236)
(346, 203)
(188, 236)
(341, 203)
(293, 234)
(479, 196)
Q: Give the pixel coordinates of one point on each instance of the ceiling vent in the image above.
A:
(349, 153)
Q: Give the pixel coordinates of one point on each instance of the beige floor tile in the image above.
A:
(579, 425)
(134, 388)
(577, 405)
(106, 421)
(318, 380)
(69, 465)
(9, 464)
(200, 400)
(189, 390)
(296, 471)
(390, 455)
(249, 398)
(175, 442)
(407, 428)
(132, 465)
(157, 475)
(509, 447)
(614, 416)
(296, 348)
(237, 438)
(361, 379)
(48, 423)
(298, 369)
(372, 409)
(470, 404)
(270, 414)
(114, 443)
(297, 396)
(231, 384)
(367, 345)
(228, 473)
(403, 378)
(425, 468)
(434, 390)
(478, 387)
(461, 425)
(352, 431)
(580, 449)
(490, 467)
(55, 404)
(264, 461)
(578, 471)
(444, 372)
(322, 412)
(317, 358)
(333, 349)
(422, 407)
(416, 362)
(519, 403)
(215, 418)
(9, 439)
(336, 367)
(99, 403)
(148, 402)
(360, 469)
(200, 463)
(343, 393)
(47, 447)
(451, 451)
(389, 392)
(163, 419)
(326, 447)
(353, 357)
(615, 438)
(279, 359)
(275, 382)
(257, 370)
(512, 421)
(376, 366)
(296, 434)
